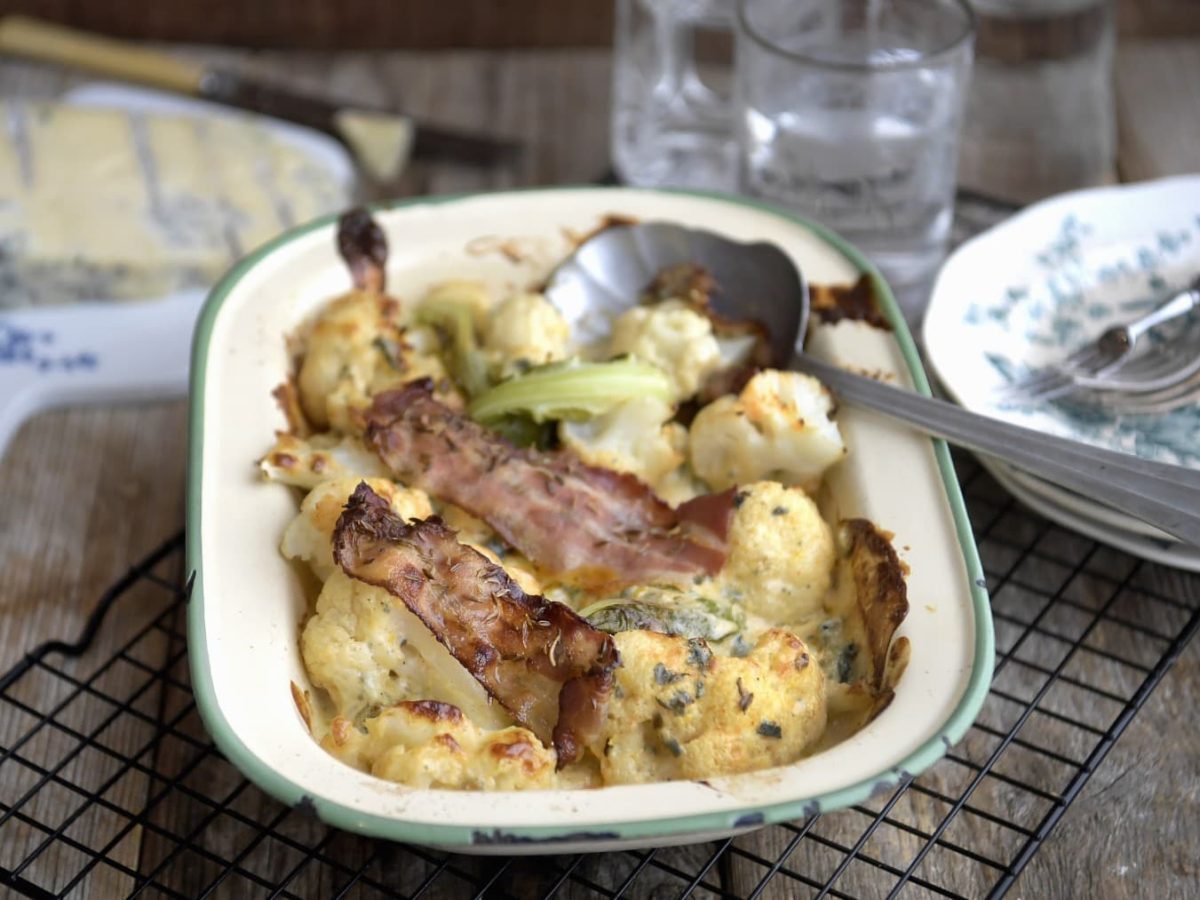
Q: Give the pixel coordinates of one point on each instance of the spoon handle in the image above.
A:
(1162, 495)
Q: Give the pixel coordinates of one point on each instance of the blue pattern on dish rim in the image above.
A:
(37, 350)
(1074, 290)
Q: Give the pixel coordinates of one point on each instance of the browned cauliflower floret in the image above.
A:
(367, 651)
(426, 744)
(473, 296)
(306, 462)
(339, 360)
(356, 349)
(636, 436)
(309, 537)
(525, 330)
(781, 554)
(778, 428)
(679, 711)
(673, 337)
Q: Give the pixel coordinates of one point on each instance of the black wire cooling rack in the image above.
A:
(109, 785)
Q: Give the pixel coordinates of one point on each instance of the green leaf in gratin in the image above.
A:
(571, 390)
(633, 615)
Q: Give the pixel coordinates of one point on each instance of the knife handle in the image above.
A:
(45, 42)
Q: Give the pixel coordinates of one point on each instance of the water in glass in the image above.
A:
(672, 119)
(861, 138)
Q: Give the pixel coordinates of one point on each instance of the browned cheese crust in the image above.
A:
(585, 524)
(303, 705)
(858, 303)
(882, 596)
(545, 664)
(287, 397)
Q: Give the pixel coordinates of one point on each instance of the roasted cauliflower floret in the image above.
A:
(309, 537)
(419, 356)
(679, 711)
(523, 331)
(355, 349)
(426, 744)
(672, 336)
(354, 647)
(781, 553)
(306, 462)
(778, 428)
(340, 359)
(472, 295)
(636, 436)
(368, 651)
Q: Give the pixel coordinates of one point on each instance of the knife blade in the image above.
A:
(380, 138)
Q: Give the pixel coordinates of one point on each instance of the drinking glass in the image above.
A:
(672, 112)
(1041, 118)
(848, 112)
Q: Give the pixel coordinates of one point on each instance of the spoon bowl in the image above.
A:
(609, 272)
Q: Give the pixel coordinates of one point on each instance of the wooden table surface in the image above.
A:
(87, 492)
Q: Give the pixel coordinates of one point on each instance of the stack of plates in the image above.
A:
(1032, 289)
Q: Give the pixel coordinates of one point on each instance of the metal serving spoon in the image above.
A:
(608, 273)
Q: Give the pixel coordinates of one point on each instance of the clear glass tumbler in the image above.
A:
(672, 112)
(1041, 118)
(849, 113)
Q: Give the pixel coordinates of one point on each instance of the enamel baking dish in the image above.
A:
(247, 601)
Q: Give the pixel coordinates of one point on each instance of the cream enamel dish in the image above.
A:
(247, 601)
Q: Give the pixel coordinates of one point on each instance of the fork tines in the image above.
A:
(1161, 364)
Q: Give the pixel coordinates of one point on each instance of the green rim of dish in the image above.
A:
(345, 817)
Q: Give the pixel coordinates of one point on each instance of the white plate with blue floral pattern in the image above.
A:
(1034, 288)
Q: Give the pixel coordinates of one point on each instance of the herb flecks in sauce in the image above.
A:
(770, 729)
(745, 698)
(663, 675)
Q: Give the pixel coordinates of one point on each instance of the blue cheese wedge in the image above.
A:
(104, 204)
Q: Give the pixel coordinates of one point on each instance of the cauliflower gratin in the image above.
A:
(542, 565)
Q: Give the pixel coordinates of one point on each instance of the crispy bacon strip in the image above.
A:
(363, 246)
(582, 523)
(542, 662)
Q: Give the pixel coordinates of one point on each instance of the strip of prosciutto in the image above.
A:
(544, 663)
(583, 524)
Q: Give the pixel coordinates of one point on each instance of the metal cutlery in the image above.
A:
(1162, 495)
(1146, 403)
(1094, 365)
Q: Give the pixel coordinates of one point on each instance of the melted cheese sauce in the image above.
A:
(757, 667)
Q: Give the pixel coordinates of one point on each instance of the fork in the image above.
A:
(1152, 371)
(1100, 357)
(1184, 393)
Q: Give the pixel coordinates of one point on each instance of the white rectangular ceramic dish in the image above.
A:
(247, 601)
